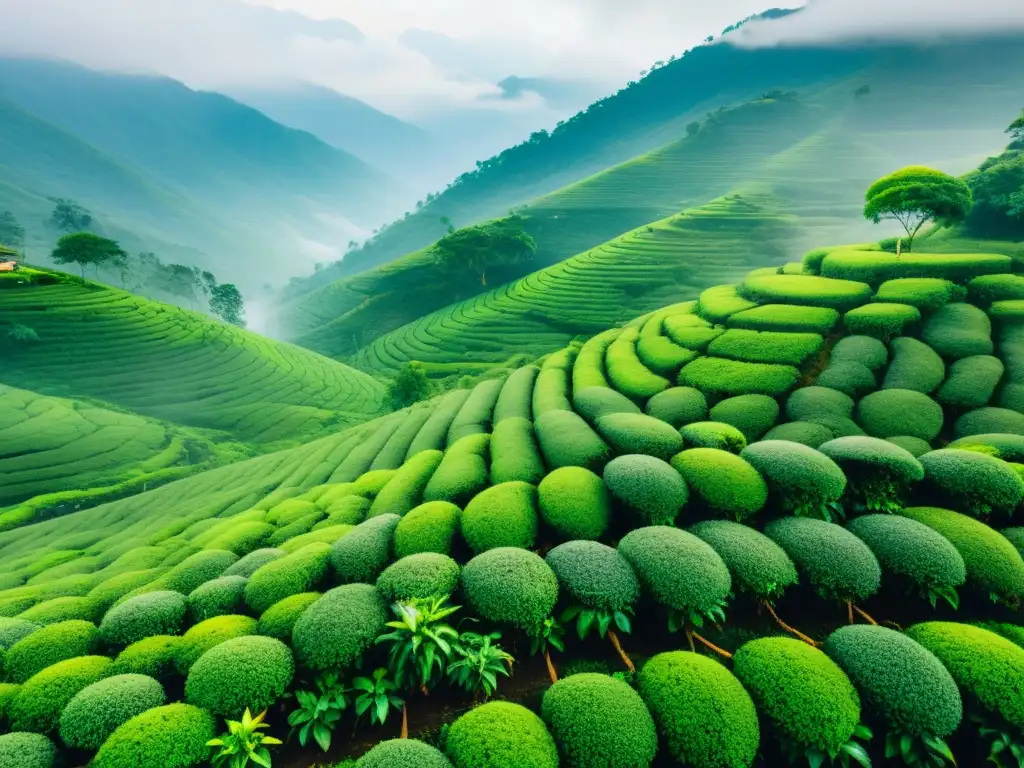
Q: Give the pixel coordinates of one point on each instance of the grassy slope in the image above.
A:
(180, 366)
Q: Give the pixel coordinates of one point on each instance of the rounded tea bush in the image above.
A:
(514, 453)
(834, 561)
(971, 382)
(594, 403)
(753, 415)
(197, 569)
(171, 736)
(39, 702)
(566, 440)
(575, 503)
(500, 735)
(209, 634)
(892, 412)
(251, 672)
(361, 555)
(594, 575)
(987, 667)
(757, 564)
(13, 630)
(301, 571)
(339, 628)
(991, 420)
(959, 330)
(849, 378)
(877, 472)
(403, 753)
(722, 482)
(702, 712)
(430, 527)
(1008, 447)
(49, 645)
(816, 402)
(152, 613)
(915, 366)
(597, 720)
(255, 560)
(972, 482)
(279, 619)
(804, 694)
(502, 516)
(635, 433)
(678, 406)
(866, 350)
(713, 434)
(915, 446)
(677, 569)
(898, 679)
(511, 586)
(153, 657)
(27, 750)
(803, 432)
(647, 487)
(100, 709)
(216, 598)
(427, 574)
(801, 480)
(60, 609)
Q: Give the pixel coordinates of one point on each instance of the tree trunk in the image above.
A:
(785, 626)
(865, 615)
(618, 649)
(711, 646)
(849, 611)
(405, 722)
(552, 673)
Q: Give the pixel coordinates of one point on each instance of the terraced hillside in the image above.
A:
(160, 361)
(812, 474)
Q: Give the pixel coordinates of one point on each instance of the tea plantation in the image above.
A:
(779, 525)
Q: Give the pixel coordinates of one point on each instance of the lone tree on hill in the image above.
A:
(12, 234)
(916, 195)
(86, 249)
(409, 386)
(227, 304)
(68, 216)
(1016, 130)
(477, 249)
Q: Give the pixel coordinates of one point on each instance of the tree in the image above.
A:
(502, 242)
(86, 249)
(226, 303)
(409, 386)
(1016, 129)
(692, 129)
(68, 216)
(864, 90)
(12, 234)
(916, 195)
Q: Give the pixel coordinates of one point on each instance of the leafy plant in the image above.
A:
(376, 695)
(551, 635)
(924, 750)
(479, 660)
(318, 712)
(589, 619)
(678, 620)
(243, 743)
(849, 754)
(1006, 747)
(421, 643)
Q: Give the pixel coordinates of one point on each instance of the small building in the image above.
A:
(8, 265)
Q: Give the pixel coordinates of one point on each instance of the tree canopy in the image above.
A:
(68, 216)
(86, 249)
(1016, 129)
(12, 234)
(477, 249)
(916, 195)
(409, 386)
(227, 304)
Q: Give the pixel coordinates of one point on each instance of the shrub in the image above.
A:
(915, 446)
(717, 376)
(28, 750)
(800, 479)
(986, 289)
(511, 586)
(326, 535)
(361, 555)
(718, 303)
(403, 753)
(406, 488)
(1015, 536)
(594, 403)
(38, 704)
(800, 690)
(502, 516)
(299, 527)
(13, 630)
(60, 609)
(463, 472)
(430, 527)
(815, 402)
(757, 564)
(195, 570)
(351, 510)
(753, 415)
(835, 562)
(882, 320)
(171, 736)
(878, 473)
(662, 355)
(973, 482)
(477, 412)
(971, 383)
(152, 613)
(702, 712)
(691, 332)
(647, 487)
(551, 392)
(594, 575)
(246, 672)
(514, 453)
(766, 346)
(241, 537)
(290, 511)
(370, 484)
(419, 576)
(984, 421)
(713, 434)
(279, 619)
(914, 366)
(339, 628)
(215, 598)
(993, 564)
(899, 679)
(575, 503)
(101, 708)
(986, 666)
(597, 720)
(959, 330)
(892, 412)
(500, 735)
(566, 440)
(925, 293)
(297, 572)
(803, 432)
(154, 657)
(636, 433)
(724, 483)
(50, 645)
(850, 378)
(209, 634)
(625, 371)
(806, 290)
(7, 693)
(677, 569)
(787, 318)
(252, 562)
(1007, 312)
(678, 406)
(867, 351)
(516, 398)
(108, 592)
(958, 268)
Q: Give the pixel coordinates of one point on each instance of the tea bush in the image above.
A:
(876, 471)
(339, 628)
(915, 446)
(39, 702)
(516, 398)
(194, 571)
(809, 403)
(800, 479)
(60, 609)
(252, 562)
(866, 350)
(678, 406)
(246, 672)
(713, 434)
(786, 317)
(925, 293)
(171, 736)
(594, 403)
(209, 634)
(803, 432)
(219, 597)
(985, 421)
(50, 645)
(566, 440)
(300, 571)
(594, 575)
(514, 453)
(13, 630)
(915, 366)
(28, 750)
(430, 527)
(625, 371)
(403, 753)
(718, 303)
(850, 378)
(510, 586)
(500, 735)
(419, 576)
(152, 613)
(691, 332)
(971, 382)
(649, 488)
(757, 564)
(406, 488)
(893, 412)
(808, 290)
(959, 330)
(977, 484)
(279, 619)
(575, 503)
(766, 346)
(101, 708)
(636, 433)
(723, 482)
(835, 562)
(501, 516)
(753, 415)
(154, 657)
(717, 376)
(476, 413)
(361, 555)
(986, 289)
(463, 471)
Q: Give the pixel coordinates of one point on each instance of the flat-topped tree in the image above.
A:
(86, 249)
(916, 195)
(477, 249)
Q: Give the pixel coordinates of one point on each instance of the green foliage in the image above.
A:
(226, 303)
(959, 330)
(516, 398)
(319, 711)
(882, 320)
(377, 695)
(973, 482)
(788, 318)
(297, 572)
(832, 560)
(48, 646)
(649, 488)
(27, 750)
(339, 628)
(987, 289)
(809, 403)
(627, 373)
(514, 453)
(716, 376)
(403, 753)
(406, 488)
(802, 692)
(245, 672)
(476, 414)
(171, 736)
(409, 386)
(39, 702)
(215, 598)
(803, 432)
(893, 412)
(253, 561)
(594, 403)
(693, 332)
(636, 433)
(867, 351)
(916, 195)
(807, 290)
(243, 743)
(511, 586)
(722, 482)
(502, 516)
(753, 415)
(702, 712)
(60, 609)
(678, 406)
(575, 503)
(361, 555)
(195, 570)
(430, 527)
(462, 473)
(597, 720)
(757, 564)
(478, 249)
(88, 250)
(13, 630)
(154, 657)
(594, 576)
(988, 421)
(766, 346)
(209, 634)
(420, 642)
(500, 735)
(925, 293)
(915, 446)
(713, 434)
(279, 619)
(878, 473)
(566, 440)
(971, 383)
(424, 575)
(847, 377)
(477, 661)
(717, 304)
(800, 480)
(993, 564)
(101, 708)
